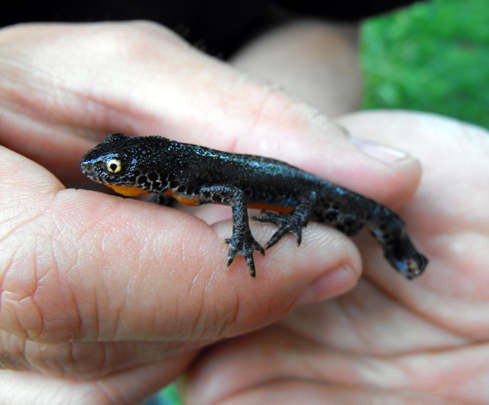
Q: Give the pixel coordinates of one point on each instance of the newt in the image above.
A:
(290, 197)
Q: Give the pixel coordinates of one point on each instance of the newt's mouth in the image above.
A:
(87, 169)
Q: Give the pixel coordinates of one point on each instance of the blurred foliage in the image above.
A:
(432, 56)
(169, 396)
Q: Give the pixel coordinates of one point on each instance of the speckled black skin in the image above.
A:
(198, 175)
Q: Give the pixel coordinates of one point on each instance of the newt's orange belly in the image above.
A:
(271, 207)
(128, 191)
(183, 199)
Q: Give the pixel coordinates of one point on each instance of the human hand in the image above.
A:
(105, 299)
(387, 340)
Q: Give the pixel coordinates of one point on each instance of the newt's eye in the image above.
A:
(113, 165)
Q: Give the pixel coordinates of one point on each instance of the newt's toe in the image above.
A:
(243, 245)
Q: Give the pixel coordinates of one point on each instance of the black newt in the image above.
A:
(196, 175)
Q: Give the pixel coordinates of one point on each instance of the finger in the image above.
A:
(448, 217)
(316, 61)
(84, 265)
(93, 360)
(147, 81)
(454, 157)
(88, 373)
(241, 369)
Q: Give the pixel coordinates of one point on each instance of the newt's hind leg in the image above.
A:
(291, 222)
(242, 241)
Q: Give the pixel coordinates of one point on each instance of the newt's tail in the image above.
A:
(390, 230)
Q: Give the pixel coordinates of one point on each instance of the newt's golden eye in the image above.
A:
(113, 165)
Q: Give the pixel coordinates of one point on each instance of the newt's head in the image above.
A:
(130, 165)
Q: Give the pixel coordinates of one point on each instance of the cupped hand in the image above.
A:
(106, 300)
(388, 340)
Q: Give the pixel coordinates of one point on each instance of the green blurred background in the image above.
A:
(432, 56)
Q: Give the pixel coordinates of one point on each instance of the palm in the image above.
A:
(391, 338)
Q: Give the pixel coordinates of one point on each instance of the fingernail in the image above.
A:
(382, 153)
(329, 285)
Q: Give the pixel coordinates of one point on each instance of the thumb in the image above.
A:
(141, 79)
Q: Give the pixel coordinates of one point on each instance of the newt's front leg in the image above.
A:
(242, 241)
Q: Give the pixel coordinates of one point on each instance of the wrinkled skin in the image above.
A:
(105, 300)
